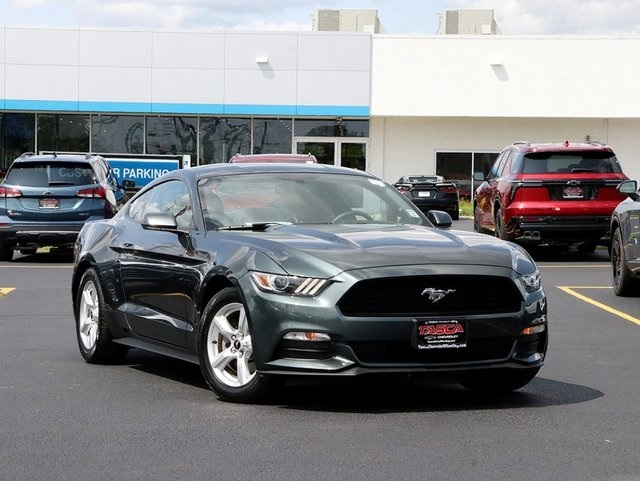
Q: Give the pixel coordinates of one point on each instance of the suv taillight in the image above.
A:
(6, 192)
(95, 193)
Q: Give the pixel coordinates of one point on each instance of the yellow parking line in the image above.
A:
(569, 290)
(6, 290)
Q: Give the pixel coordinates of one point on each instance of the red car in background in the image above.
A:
(550, 194)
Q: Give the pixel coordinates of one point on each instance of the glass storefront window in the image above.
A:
(117, 134)
(17, 136)
(63, 132)
(460, 166)
(353, 155)
(331, 128)
(272, 136)
(172, 135)
(221, 138)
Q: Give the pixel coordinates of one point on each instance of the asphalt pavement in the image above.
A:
(152, 418)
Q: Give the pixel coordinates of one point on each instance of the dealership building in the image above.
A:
(347, 92)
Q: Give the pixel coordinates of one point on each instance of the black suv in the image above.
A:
(45, 200)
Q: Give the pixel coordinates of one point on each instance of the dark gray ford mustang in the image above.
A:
(258, 271)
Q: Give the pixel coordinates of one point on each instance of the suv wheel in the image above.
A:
(623, 283)
(499, 226)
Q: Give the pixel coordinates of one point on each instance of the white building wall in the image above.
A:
(501, 76)
(405, 145)
(190, 72)
(479, 94)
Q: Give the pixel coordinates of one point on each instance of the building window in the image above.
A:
(331, 128)
(221, 138)
(460, 166)
(63, 132)
(117, 134)
(172, 135)
(17, 136)
(272, 136)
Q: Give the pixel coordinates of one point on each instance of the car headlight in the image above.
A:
(531, 282)
(291, 285)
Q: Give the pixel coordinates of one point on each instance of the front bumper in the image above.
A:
(361, 345)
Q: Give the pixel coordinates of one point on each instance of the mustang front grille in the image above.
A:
(431, 296)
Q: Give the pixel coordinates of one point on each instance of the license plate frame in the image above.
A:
(424, 194)
(573, 192)
(49, 203)
(431, 334)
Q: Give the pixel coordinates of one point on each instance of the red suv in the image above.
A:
(560, 194)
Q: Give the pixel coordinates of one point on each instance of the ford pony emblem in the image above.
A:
(436, 295)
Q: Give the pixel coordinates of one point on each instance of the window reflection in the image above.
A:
(63, 132)
(17, 136)
(117, 133)
(221, 138)
(331, 128)
(272, 136)
(172, 135)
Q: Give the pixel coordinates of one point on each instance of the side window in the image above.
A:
(497, 166)
(170, 197)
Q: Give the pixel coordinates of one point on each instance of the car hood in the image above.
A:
(334, 248)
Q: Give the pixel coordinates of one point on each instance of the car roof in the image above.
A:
(196, 173)
(30, 157)
(287, 158)
(566, 146)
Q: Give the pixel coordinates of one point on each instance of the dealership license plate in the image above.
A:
(424, 193)
(439, 334)
(49, 203)
(573, 193)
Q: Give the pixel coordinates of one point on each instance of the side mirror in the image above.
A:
(479, 176)
(439, 219)
(160, 221)
(128, 184)
(629, 188)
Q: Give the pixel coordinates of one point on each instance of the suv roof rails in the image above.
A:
(597, 142)
(522, 142)
(26, 154)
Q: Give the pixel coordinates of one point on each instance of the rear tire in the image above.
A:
(92, 329)
(624, 284)
(499, 226)
(226, 351)
(499, 381)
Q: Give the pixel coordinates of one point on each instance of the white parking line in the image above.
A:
(611, 310)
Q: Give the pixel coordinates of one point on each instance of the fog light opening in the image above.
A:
(310, 336)
(533, 330)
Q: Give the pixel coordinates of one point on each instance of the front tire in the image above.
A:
(92, 329)
(226, 351)
(624, 284)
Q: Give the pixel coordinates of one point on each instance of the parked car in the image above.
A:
(261, 271)
(286, 158)
(46, 199)
(625, 241)
(431, 192)
(560, 194)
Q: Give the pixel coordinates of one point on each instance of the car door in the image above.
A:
(488, 191)
(158, 269)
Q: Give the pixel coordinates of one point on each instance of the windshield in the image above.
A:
(302, 198)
